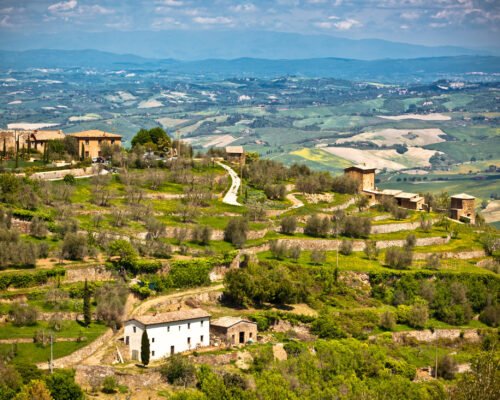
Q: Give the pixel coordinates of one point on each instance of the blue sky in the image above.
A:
(472, 23)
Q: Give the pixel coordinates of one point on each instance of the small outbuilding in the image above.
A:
(463, 207)
(364, 175)
(235, 154)
(234, 330)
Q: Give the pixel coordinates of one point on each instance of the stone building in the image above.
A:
(40, 138)
(168, 333)
(410, 201)
(365, 176)
(234, 330)
(90, 142)
(235, 154)
(463, 207)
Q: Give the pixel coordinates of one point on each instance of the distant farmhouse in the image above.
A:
(235, 154)
(168, 333)
(234, 330)
(90, 142)
(39, 139)
(462, 205)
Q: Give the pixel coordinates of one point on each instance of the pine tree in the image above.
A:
(145, 348)
(87, 317)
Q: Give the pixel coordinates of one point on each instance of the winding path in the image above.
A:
(231, 197)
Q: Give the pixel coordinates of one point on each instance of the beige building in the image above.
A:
(365, 176)
(235, 154)
(234, 330)
(463, 207)
(40, 138)
(90, 142)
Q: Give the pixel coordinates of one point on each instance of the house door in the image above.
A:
(135, 354)
(242, 337)
(172, 350)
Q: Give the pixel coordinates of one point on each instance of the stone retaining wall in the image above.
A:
(426, 335)
(81, 354)
(60, 174)
(461, 255)
(97, 273)
(21, 225)
(388, 228)
(93, 375)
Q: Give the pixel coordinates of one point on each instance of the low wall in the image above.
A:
(97, 273)
(93, 375)
(461, 255)
(60, 174)
(426, 335)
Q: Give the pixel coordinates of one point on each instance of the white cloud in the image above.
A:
(324, 25)
(248, 7)
(63, 6)
(166, 23)
(410, 15)
(172, 3)
(5, 22)
(404, 26)
(6, 10)
(213, 20)
(333, 17)
(96, 10)
(346, 24)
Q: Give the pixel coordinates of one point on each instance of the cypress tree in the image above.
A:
(83, 152)
(145, 348)
(87, 317)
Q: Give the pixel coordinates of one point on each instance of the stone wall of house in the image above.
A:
(21, 226)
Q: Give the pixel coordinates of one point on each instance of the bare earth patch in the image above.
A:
(167, 122)
(389, 137)
(387, 158)
(150, 104)
(492, 212)
(422, 117)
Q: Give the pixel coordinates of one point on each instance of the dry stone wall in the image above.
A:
(426, 335)
(96, 273)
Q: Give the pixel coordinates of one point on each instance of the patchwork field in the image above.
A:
(390, 137)
(421, 117)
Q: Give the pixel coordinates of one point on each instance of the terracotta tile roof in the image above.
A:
(234, 149)
(181, 315)
(48, 135)
(94, 134)
(227, 322)
(463, 196)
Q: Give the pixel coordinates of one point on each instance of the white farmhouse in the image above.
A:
(168, 333)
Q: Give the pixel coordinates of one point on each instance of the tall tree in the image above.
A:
(87, 317)
(145, 348)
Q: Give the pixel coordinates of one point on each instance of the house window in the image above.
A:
(202, 323)
(152, 340)
(189, 341)
(127, 339)
(250, 335)
(168, 328)
(135, 329)
(113, 141)
(87, 142)
(201, 338)
(153, 353)
(179, 327)
(189, 325)
(99, 141)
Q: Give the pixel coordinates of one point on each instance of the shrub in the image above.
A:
(318, 257)
(178, 371)
(294, 252)
(23, 315)
(433, 261)
(278, 249)
(62, 386)
(387, 321)
(202, 234)
(398, 258)
(399, 213)
(295, 348)
(418, 315)
(109, 385)
(371, 250)
(38, 228)
(447, 367)
(317, 226)
(110, 299)
(344, 184)
(325, 326)
(74, 246)
(411, 241)
(288, 225)
(345, 247)
(69, 179)
(357, 227)
(236, 232)
(275, 192)
(491, 315)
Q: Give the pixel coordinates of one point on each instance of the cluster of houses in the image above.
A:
(89, 142)
(462, 205)
(185, 330)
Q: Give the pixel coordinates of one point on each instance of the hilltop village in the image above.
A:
(163, 272)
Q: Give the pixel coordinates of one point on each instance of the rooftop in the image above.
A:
(48, 135)
(181, 315)
(94, 134)
(234, 149)
(463, 196)
(227, 322)
(405, 195)
(361, 167)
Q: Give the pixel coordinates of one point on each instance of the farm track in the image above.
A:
(231, 197)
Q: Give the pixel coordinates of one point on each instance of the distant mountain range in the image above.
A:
(420, 69)
(198, 45)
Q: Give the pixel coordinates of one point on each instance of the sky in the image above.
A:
(471, 23)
